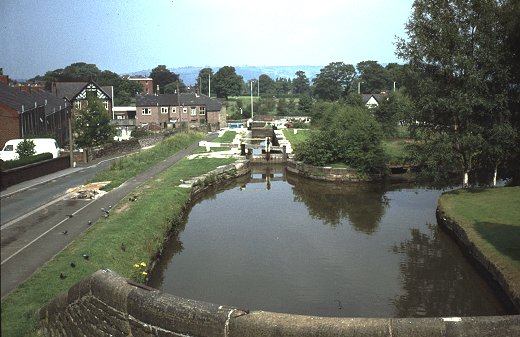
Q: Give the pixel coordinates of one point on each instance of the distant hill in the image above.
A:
(189, 74)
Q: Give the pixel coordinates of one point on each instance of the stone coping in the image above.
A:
(106, 303)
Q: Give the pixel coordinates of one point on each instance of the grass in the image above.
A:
(396, 150)
(491, 219)
(227, 137)
(299, 137)
(141, 226)
(129, 166)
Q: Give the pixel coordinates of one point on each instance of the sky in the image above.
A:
(132, 35)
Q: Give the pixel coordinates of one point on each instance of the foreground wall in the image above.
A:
(20, 174)
(106, 304)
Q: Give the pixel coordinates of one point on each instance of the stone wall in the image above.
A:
(327, 173)
(105, 304)
(493, 271)
(17, 175)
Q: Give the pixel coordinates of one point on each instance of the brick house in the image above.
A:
(145, 82)
(31, 112)
(76, 93)
(175, 110)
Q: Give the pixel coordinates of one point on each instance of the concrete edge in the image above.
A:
(162, 311)
(493, 271)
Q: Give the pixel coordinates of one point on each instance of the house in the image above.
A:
(124, 121)
(31, 112)
(372, 100)
(176, 110)
(76, 93)
(145, 82)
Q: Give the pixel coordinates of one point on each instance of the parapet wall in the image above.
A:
(327, 173)
(105, 304)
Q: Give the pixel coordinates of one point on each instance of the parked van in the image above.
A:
(41, 145)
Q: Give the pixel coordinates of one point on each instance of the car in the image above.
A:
(41, 145)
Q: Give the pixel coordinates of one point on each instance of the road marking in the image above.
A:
(43, 234)
(10, 223)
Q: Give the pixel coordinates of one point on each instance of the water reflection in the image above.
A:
(433, 282)
(363, 205)
(259, 243)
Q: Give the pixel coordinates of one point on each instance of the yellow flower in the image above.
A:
(136, 265)
(144, 273)
(143, 264)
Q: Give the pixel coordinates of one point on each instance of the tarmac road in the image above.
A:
(30, 238)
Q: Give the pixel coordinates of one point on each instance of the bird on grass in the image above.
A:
(85, 256)
(73, 265)
(123, 247)
(62, 276)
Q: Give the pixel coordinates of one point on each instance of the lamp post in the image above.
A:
(71, 137)
(252, 99)
(359, 87)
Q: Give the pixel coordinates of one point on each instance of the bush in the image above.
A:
(25, 149)
(10, 164)
(348, 135)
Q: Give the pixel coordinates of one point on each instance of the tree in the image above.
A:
(300, 84)
(501, 141)
(305, 105)
(333, 81)
(227, 82)
(171, 88)
(161, 77)
(203, 81)
(25, 149)
(348, 135)
(267, 87)
(92, 124)
(373, 75)
(391, 111)
(80, 71)
(456, 48)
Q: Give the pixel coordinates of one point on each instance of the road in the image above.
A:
(36, 218)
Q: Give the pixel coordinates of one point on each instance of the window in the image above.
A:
(202, 110)
(77, 104)
(164, 109)
(174, 110)
(193, 111)
(146, 111)
(105, 104)
(184, 110)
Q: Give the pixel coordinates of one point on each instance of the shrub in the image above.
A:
(25, 149)
(10, 164)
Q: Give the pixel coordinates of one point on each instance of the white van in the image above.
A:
(41, 145)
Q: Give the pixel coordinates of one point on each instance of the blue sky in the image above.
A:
(132, 35)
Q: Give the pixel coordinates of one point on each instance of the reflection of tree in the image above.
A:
(173, 248)
(436, 282)
(362, 204)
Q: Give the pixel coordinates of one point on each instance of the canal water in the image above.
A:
(281, 243)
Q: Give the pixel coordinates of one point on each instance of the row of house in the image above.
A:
(31, 112)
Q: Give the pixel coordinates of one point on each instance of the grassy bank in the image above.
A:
(132, 234)
(491, 219)
(129, 166)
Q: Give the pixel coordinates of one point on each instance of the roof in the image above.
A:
(377, 97)
(72, 89)
(20, 100)
(187, 99)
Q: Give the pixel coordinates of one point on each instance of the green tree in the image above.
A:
(282, 86)
(227, 82)
(161, 77)
(203, 81)
(80, 71)
(300, 84)
(305, 105)
(391, 111)
(373, 76)
(92, 124)
(501, 141)
(348, 135)
(456, 49)
(171, 88)
(25, 149)
(334, 81)
(267, 86)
